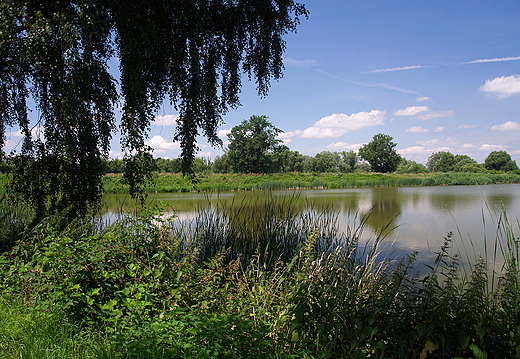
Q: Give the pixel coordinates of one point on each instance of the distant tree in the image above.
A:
(251, 144)
(350, 161)
(500, 161)
(409, 166)
(381, 154)
(441, 161)
(325, 161)
(285, 160)
(167, 165)
(201, 165)
(114, 166)
(464, 163)
(221, 164)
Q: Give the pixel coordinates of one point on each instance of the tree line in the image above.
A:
(254, 148)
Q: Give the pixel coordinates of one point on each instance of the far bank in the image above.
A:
(169, 183)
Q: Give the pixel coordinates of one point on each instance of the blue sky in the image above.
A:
(434, 75)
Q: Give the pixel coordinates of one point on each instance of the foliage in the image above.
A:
(324, 161)
(148, 292)
(252, 144)
(381, 154)
(163, 183)
(441, 161)
(191, 51)
(285, 160)
(409, 166)
(500, 161)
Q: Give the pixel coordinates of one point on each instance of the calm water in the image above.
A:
(416, 218)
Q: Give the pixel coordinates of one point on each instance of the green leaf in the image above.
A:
(464, 340)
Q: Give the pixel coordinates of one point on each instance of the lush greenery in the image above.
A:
(251, 145)
(149, 288)
(233, 182)
(500, 161)
(54, 54)
(381, 154)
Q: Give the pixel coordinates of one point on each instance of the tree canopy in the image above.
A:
(191, 52)
(251, 145)
(500, 161)
(381, 154)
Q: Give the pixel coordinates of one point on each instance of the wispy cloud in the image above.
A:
(496, 59)
(305, 64)
(365, 84)
(417, 129)
(439, 129)
(466, 126)
(423, 98)
(504, 86)
(411, 111)
(436, 114)
(392, 69)
(166, 120)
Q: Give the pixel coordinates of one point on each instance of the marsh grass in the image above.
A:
(227, 286)
(166, 183)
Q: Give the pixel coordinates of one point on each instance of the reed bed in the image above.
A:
(165, 183)
(254, 280)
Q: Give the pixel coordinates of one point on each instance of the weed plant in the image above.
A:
(146, 288)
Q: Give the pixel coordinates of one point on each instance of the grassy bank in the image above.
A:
(236, 284)
(233, 182)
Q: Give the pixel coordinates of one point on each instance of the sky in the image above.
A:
(434, 75)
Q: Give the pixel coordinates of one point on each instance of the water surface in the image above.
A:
(411, 218)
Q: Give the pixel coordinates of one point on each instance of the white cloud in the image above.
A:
(204, 154)
(431, 142)
(417, 129)
(115, 154)
(421, 99)
(224, 133)
(286, 141)
(398, 68)
(439, 129)
(504, 86)
(410, 111)
(468, 145)
(507, 126)
(166, 120)
(465, 125)
(289, 134)
(436, 114)
(343, 146)
(159, 142)
(489, 148)
(496, 59)
(337, 125)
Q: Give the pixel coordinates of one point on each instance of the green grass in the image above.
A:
(235, 182)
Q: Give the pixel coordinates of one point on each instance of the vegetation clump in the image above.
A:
(152, 288)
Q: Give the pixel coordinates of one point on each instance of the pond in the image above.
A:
(410, 218)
